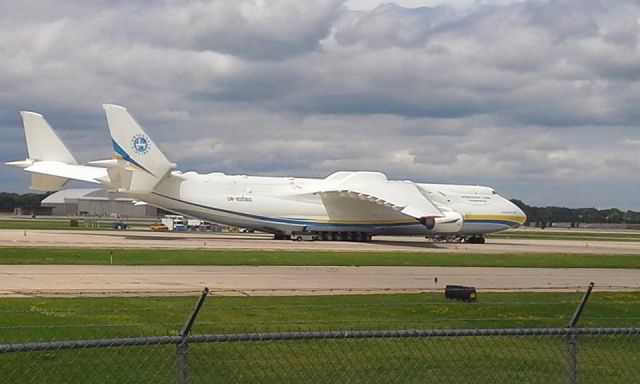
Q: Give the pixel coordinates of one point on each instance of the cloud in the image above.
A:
(526, 96)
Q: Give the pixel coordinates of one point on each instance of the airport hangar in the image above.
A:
(97, 202)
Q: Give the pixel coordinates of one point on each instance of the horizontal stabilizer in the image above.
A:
(69, 171)
(109, 163)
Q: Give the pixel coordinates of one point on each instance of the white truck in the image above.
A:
(196, 225)
(174, 222)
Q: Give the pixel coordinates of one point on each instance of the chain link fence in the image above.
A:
(63, 352)
(534, 355)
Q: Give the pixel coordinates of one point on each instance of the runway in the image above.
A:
(189, 240)
(27, 280)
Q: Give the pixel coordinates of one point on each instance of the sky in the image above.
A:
(537, 99)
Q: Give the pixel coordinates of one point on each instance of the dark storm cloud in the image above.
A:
(531, 97)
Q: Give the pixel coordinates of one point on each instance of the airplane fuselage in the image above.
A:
(351, 205)
(287, 204)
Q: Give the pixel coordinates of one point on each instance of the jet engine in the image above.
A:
(451, 222)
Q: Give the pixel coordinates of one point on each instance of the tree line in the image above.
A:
(10, 201)
(544, 216)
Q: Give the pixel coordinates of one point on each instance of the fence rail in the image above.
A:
(320, 335)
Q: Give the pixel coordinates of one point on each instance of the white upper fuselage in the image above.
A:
(286, 204)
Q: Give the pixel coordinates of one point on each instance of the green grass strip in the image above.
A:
(324, 258)
(464, 360)
(567, 235)
(42, 318)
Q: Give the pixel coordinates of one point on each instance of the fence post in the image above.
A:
(182, 363)
(572, 342)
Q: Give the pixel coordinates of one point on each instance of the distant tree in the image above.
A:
(7, 201)
(544, 216)
(11, 201)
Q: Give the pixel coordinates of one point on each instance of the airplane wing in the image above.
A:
(401, 196)
(397, 195)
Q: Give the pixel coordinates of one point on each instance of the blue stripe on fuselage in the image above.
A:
(509, 223)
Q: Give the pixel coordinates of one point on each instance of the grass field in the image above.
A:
(584, 235)
(30, 319)
(323, 258)
(470, 359)
(47, 224)
(60, 224)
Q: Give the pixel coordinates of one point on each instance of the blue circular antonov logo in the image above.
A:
(140, 144)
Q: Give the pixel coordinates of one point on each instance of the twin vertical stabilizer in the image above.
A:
(44, 145)
(42, 141)
(138, 168)
(143, 165)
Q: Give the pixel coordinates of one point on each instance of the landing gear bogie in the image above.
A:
(472, 239)
(475, 239)
(333, 236)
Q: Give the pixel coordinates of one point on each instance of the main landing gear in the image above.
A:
(332, 236)
(281, 236)
(473, 239)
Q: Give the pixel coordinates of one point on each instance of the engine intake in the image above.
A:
(451, 222)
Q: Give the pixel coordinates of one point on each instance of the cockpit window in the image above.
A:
(493, 192)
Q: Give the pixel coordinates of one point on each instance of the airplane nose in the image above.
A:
(520, 216)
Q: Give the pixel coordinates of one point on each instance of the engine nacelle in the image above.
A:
(451, 222)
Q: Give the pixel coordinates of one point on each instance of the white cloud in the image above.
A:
(529, 97)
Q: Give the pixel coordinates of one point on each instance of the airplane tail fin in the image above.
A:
(144, 165)
(43, 144)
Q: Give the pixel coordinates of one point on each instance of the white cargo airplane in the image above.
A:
(343, 206)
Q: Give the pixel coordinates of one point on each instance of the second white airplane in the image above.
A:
(343, 206)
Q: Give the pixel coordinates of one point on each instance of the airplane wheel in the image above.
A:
(476, 240)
